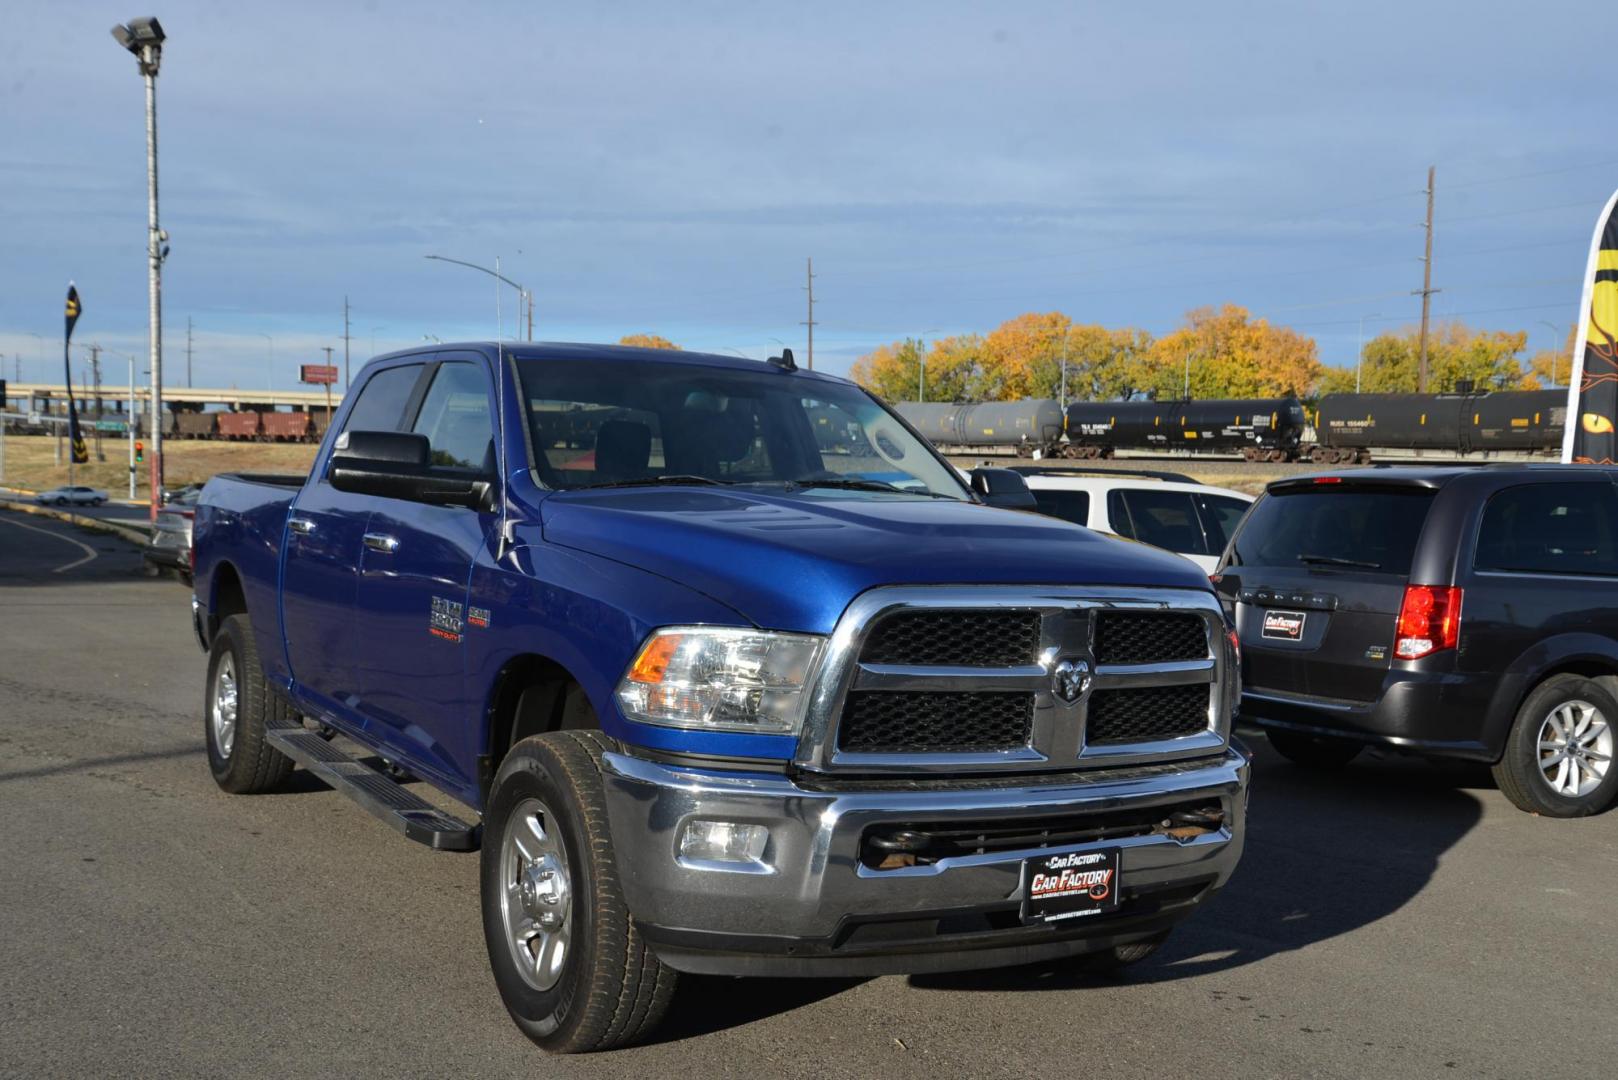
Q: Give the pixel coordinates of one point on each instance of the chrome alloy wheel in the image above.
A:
(537, 894)
(1575, 749)
(225, 703)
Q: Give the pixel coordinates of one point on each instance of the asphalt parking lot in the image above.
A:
(1393, 920)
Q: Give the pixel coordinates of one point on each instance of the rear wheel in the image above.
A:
(1314, 751)
(572, 969)
(238, 707)
(1558, 757)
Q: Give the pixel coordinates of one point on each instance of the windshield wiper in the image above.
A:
(1333, 560)
(854, 483)
(651, 481)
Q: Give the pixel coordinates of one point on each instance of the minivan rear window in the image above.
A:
(1348, 528)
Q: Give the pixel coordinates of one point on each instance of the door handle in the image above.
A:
(387, 545)
(301, 526)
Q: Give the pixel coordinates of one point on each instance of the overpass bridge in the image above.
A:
(51, 397)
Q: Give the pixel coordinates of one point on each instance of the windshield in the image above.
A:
(621, 423)
(1335, 527)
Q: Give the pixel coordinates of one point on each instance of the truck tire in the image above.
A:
(1558, 756)
(237, 707)
(572, 969)
(1314, 751)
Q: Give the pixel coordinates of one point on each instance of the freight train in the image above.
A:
(245, 426)
(1346, 427)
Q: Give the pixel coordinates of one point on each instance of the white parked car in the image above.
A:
(76, 496)
(1167, 510)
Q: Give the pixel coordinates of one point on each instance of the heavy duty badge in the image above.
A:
(444, 620)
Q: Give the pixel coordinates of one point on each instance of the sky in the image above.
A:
(669, 168)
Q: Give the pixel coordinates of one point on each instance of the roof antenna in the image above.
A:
(784, 361)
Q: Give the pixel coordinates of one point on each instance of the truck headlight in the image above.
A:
(721, 679)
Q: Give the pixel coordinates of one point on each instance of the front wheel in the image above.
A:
(573, 971)
(61, 501)
(1558, 756)
(1314, 751)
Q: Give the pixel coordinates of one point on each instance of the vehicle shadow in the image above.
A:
(707, 1003)
(1327, 853)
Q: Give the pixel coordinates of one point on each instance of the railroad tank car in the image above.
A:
(194, 425)
(1349, 426)
(318, 423)
(286, 426)
(1258, 428)
(1025, 426)
(239, 425)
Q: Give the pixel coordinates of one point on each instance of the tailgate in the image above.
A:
(1321, 634)
(1315, 578)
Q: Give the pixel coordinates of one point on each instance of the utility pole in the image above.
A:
(345, 347)
(188, 352)
(530, 315)
(95, 374)
(132, 422)
(144, 38)
(810, 322)
(1426, 291)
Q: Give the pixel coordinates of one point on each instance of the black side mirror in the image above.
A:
(398, 465)
(1003, 488)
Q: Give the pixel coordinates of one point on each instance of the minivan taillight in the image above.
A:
(1429, 620)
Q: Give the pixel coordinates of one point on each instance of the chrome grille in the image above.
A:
(954, 638)
(979, 679)
(1145, 637)
(896, 723)
(1147, 714)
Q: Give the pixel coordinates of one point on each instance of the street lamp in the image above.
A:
(144, 38)
(522, 293)
(1557, 351)
(1359, 358)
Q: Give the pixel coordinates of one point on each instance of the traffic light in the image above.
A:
(140, 451)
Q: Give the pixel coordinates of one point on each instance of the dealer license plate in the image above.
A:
(1072, 885)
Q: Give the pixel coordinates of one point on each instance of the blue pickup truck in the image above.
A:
(731, 672)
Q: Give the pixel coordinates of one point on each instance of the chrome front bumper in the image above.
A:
(812, 908)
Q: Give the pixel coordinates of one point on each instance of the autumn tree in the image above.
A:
(1551, 367)
(648, 341)
(894, 371)
(1228, 353)
(1488, 358)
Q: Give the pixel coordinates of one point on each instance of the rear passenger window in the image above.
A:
(382, 400)
(1165, 519)
(1220, 516)
(1071, 506)
(1567, 528)
(455, 418)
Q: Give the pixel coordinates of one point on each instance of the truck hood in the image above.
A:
(794, 561)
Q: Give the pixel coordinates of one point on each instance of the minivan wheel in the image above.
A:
(569, 963)
(1314, 751)
(1558, 757)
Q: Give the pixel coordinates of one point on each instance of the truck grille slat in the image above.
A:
(955, 639)
(1147, 714)
(1149, 637)
(924, 722)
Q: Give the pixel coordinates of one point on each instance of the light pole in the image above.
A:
(522, 293)
(144, 38)
(1557, 350)
(270, 371)
(1189, 353)
(1359, 357)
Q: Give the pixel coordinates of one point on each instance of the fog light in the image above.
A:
(724, 842)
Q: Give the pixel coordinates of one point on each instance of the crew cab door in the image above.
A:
(320, 571)
(415, 567)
